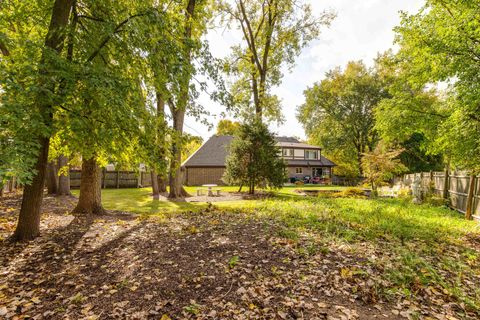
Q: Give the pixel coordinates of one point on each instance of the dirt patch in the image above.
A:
(230, 196)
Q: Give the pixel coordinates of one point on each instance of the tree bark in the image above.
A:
(64, 177)
(175, 176)
(90, 200)
(446, 184)
(162, 184)
(161, 178)
(178, 113)
(28, 226)
(155, 190)
(470, 197)
(52, 178)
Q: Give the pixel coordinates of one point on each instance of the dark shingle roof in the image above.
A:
(212, 153)
(287, 139)
(323, 162)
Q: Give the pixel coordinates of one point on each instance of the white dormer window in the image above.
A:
(288, 152)
(311, 154)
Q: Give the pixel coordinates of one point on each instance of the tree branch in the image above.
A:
(108, 37)
(250, 35)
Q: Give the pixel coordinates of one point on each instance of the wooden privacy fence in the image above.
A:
(461, 189)
(116, 179)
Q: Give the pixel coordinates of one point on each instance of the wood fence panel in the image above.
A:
(438, 182)
(75, 177)
(115, 179)
(457, 191)
(146, 180)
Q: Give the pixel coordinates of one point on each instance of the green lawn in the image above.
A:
(418, 248)
(140, 200)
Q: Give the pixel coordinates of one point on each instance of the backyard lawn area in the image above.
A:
(283, 257)
(140, 200)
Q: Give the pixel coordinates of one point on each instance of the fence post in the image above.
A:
(118, 179)
(446, 184)
(104, 174)
(471, 188)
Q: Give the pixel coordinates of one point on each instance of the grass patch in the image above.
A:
(139, 200)
(422, 248)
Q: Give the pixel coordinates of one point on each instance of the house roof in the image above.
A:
(286, 139)
(291, 142)
(213, 153)
(322, 162)
(298, 145)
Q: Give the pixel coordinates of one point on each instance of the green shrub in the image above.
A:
(437, 201)
(404, 193)
(351, 192)
(299, 183)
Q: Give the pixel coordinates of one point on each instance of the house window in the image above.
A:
(298, 170)
(288, 152)
(311, 154)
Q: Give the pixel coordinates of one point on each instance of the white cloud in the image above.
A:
(361, 30)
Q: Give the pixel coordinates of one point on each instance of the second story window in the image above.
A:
(288, 153)
(311, 154)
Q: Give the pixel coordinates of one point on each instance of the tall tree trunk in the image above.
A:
(177, 191)
(162, 184)
(178, 113)
(470, 197)
(155, 190)
(256, 96)
(28, 226)
(446, 184)
(161, 178)
(64, 177)
(52, 178)
(90, 200)
(359, 159)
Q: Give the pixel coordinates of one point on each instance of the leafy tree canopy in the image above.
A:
(338, 114)
(274, 33)
(381, 164)
(439, 44)
(227, 127)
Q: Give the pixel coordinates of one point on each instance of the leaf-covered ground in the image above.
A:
(213, 264)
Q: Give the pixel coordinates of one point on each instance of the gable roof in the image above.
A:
(298, 145)
(213, 153)
(287, 139)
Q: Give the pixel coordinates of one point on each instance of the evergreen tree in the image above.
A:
(254, 158)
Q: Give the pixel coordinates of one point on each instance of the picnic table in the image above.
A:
(209, 189)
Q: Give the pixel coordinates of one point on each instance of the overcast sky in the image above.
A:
(361, 29)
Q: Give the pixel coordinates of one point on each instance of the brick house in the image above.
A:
(207, 164)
